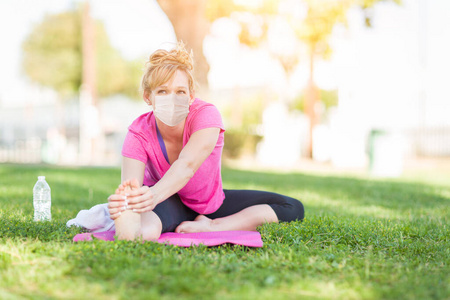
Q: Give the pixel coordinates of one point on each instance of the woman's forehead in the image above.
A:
(179, 79)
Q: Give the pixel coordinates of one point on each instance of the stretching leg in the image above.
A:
(247, 219)
(246, 210)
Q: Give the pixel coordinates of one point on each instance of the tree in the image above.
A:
(52, 57)
(315, 31)
(71, 53)
(191, 26)
(52, 53)
(191, 19)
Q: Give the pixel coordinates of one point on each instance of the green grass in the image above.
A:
(361, 239)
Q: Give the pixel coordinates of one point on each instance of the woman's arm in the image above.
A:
(195, 152)
(133, 168)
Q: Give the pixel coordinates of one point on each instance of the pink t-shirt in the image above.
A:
(203, 193)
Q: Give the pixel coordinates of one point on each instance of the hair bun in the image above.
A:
(163, 64)
(178, 56)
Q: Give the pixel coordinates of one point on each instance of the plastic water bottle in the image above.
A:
(42, 200)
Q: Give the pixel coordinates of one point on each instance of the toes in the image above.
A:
(134, 184)
(180, 228)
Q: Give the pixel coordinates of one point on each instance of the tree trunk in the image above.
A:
(311, 100)
(88, 52)
(90, 130)
(190, 26)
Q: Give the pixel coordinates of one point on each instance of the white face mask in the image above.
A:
(171, 109)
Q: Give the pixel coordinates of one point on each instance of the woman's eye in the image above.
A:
(161, 92)
(182, 92)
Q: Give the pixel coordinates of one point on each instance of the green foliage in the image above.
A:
(52, 52)
(249, 15)
(224, 8)
(219, 9)
(361, 239)
(115, 75)
(53, 58)
(315, 30)
(329, 98)
(239, 143)
(244, 112)
(243, 115)
(367, 6)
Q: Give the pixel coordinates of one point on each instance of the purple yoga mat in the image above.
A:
(244, 238)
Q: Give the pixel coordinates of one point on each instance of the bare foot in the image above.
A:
(200, 224)
(128, 225)
(134, 184)
(128, 185)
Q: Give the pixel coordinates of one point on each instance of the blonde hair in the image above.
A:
(162, 65)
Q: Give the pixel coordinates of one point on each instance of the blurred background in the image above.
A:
(342, 84)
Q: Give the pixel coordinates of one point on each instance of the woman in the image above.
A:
(171, 170)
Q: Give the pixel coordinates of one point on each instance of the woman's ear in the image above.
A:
(192, 98)
(147, 97)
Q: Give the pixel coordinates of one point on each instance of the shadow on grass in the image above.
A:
(73, 188)
(339, 194)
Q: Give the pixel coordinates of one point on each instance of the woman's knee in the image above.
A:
(291, 210)
(299, 210)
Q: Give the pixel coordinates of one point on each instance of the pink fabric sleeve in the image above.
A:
(133, 147)
(206, 117)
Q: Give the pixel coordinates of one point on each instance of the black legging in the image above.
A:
(172, 211)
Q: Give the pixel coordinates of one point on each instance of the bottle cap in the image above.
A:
(41, 177)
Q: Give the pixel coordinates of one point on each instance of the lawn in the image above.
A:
(362, 238)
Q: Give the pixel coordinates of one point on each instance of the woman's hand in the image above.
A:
(116, 204)
(142, 199)
(129, 196)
